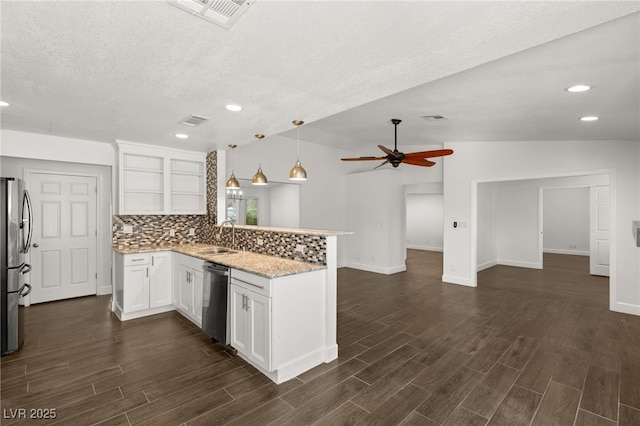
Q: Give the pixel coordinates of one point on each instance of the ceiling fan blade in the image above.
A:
(429, 154)
(418, 162)
(363, 158)
(388, 151)
(381, 165)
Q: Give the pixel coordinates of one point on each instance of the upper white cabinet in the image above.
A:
(156, 180)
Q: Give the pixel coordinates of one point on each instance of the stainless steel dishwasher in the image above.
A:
(215, 294)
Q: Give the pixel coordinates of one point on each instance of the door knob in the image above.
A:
(35, 245)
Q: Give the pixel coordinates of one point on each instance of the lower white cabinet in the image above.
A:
(251, 325)
(143, 284)
(187, 286)
(279, 324)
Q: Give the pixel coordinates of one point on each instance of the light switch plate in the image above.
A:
(192, 231)
(300, 248)
(172, 232)
(127, 229)
(260, 242)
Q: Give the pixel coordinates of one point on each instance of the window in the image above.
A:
(252, 211)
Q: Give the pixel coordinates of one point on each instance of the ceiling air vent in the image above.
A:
(221, 12)
(434, 117)
(193, 120)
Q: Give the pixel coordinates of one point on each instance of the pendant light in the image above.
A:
(232, 183)
(259, 178)
(298, 172)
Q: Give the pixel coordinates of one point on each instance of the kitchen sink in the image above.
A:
(217, 250)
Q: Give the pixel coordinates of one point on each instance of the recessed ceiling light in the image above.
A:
(589, 118)
(182, 136)
(578, 88)
(3, 103)
(233, 107)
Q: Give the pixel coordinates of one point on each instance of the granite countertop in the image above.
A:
(261, 264)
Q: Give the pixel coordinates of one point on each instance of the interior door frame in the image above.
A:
(473, 281)
(103, 285)
(541, 216)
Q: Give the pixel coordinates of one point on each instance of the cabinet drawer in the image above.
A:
(255, 283)
(137, 259)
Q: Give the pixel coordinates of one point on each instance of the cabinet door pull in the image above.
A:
(147, 272)
(137, 260)
(152, 259)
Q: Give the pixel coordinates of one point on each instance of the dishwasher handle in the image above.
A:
(216, 269)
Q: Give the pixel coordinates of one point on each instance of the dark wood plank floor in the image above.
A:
(524, 348)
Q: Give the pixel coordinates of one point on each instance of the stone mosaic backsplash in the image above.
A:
(274, 243)
(156, 229)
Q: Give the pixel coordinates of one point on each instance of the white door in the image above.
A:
(600, 218)
(65, 242)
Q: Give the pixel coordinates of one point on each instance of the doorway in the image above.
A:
(509, 229)
(65, 240)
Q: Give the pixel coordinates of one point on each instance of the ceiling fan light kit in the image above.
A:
(298, 173)
(396, 157)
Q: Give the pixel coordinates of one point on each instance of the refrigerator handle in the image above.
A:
(26, 268)
(29, 221)
(22, 288)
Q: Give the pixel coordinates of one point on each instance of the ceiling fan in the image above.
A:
(396, 157)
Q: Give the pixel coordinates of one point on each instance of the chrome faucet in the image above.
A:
(233, 231)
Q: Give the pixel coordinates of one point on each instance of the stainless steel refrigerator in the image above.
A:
(16, 227)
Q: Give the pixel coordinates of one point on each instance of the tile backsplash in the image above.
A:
(156, 229)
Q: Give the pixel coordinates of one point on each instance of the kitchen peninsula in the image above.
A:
(287, 319)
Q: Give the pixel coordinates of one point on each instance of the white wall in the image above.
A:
(512, 161)
(376, 213)
(566, 220)
(424, 221)
(55, 148)
(285, 206)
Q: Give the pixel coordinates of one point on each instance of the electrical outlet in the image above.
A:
(572, 246)
(260, 242)
(127, 229)
(192, 231)
(300, 248)
(172, 232)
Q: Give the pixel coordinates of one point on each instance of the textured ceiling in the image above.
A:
(131, 70)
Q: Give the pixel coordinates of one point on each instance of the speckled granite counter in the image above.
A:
(268, 266)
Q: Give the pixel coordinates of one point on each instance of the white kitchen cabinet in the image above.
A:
(160, 279)
(187, 287)
(251, 325)
(156, 180)
(279, 324)
(143, 284)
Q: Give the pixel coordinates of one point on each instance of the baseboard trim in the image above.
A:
(571, 252)
(487, 265)
(625, 308)
(519, 264)
(376, 269)
(458, 280)
(425, 248)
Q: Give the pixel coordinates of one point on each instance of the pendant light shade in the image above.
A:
(259, 178)
(298, 172)
(232, 183)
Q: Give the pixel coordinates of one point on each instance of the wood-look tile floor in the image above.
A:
(524, 348)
